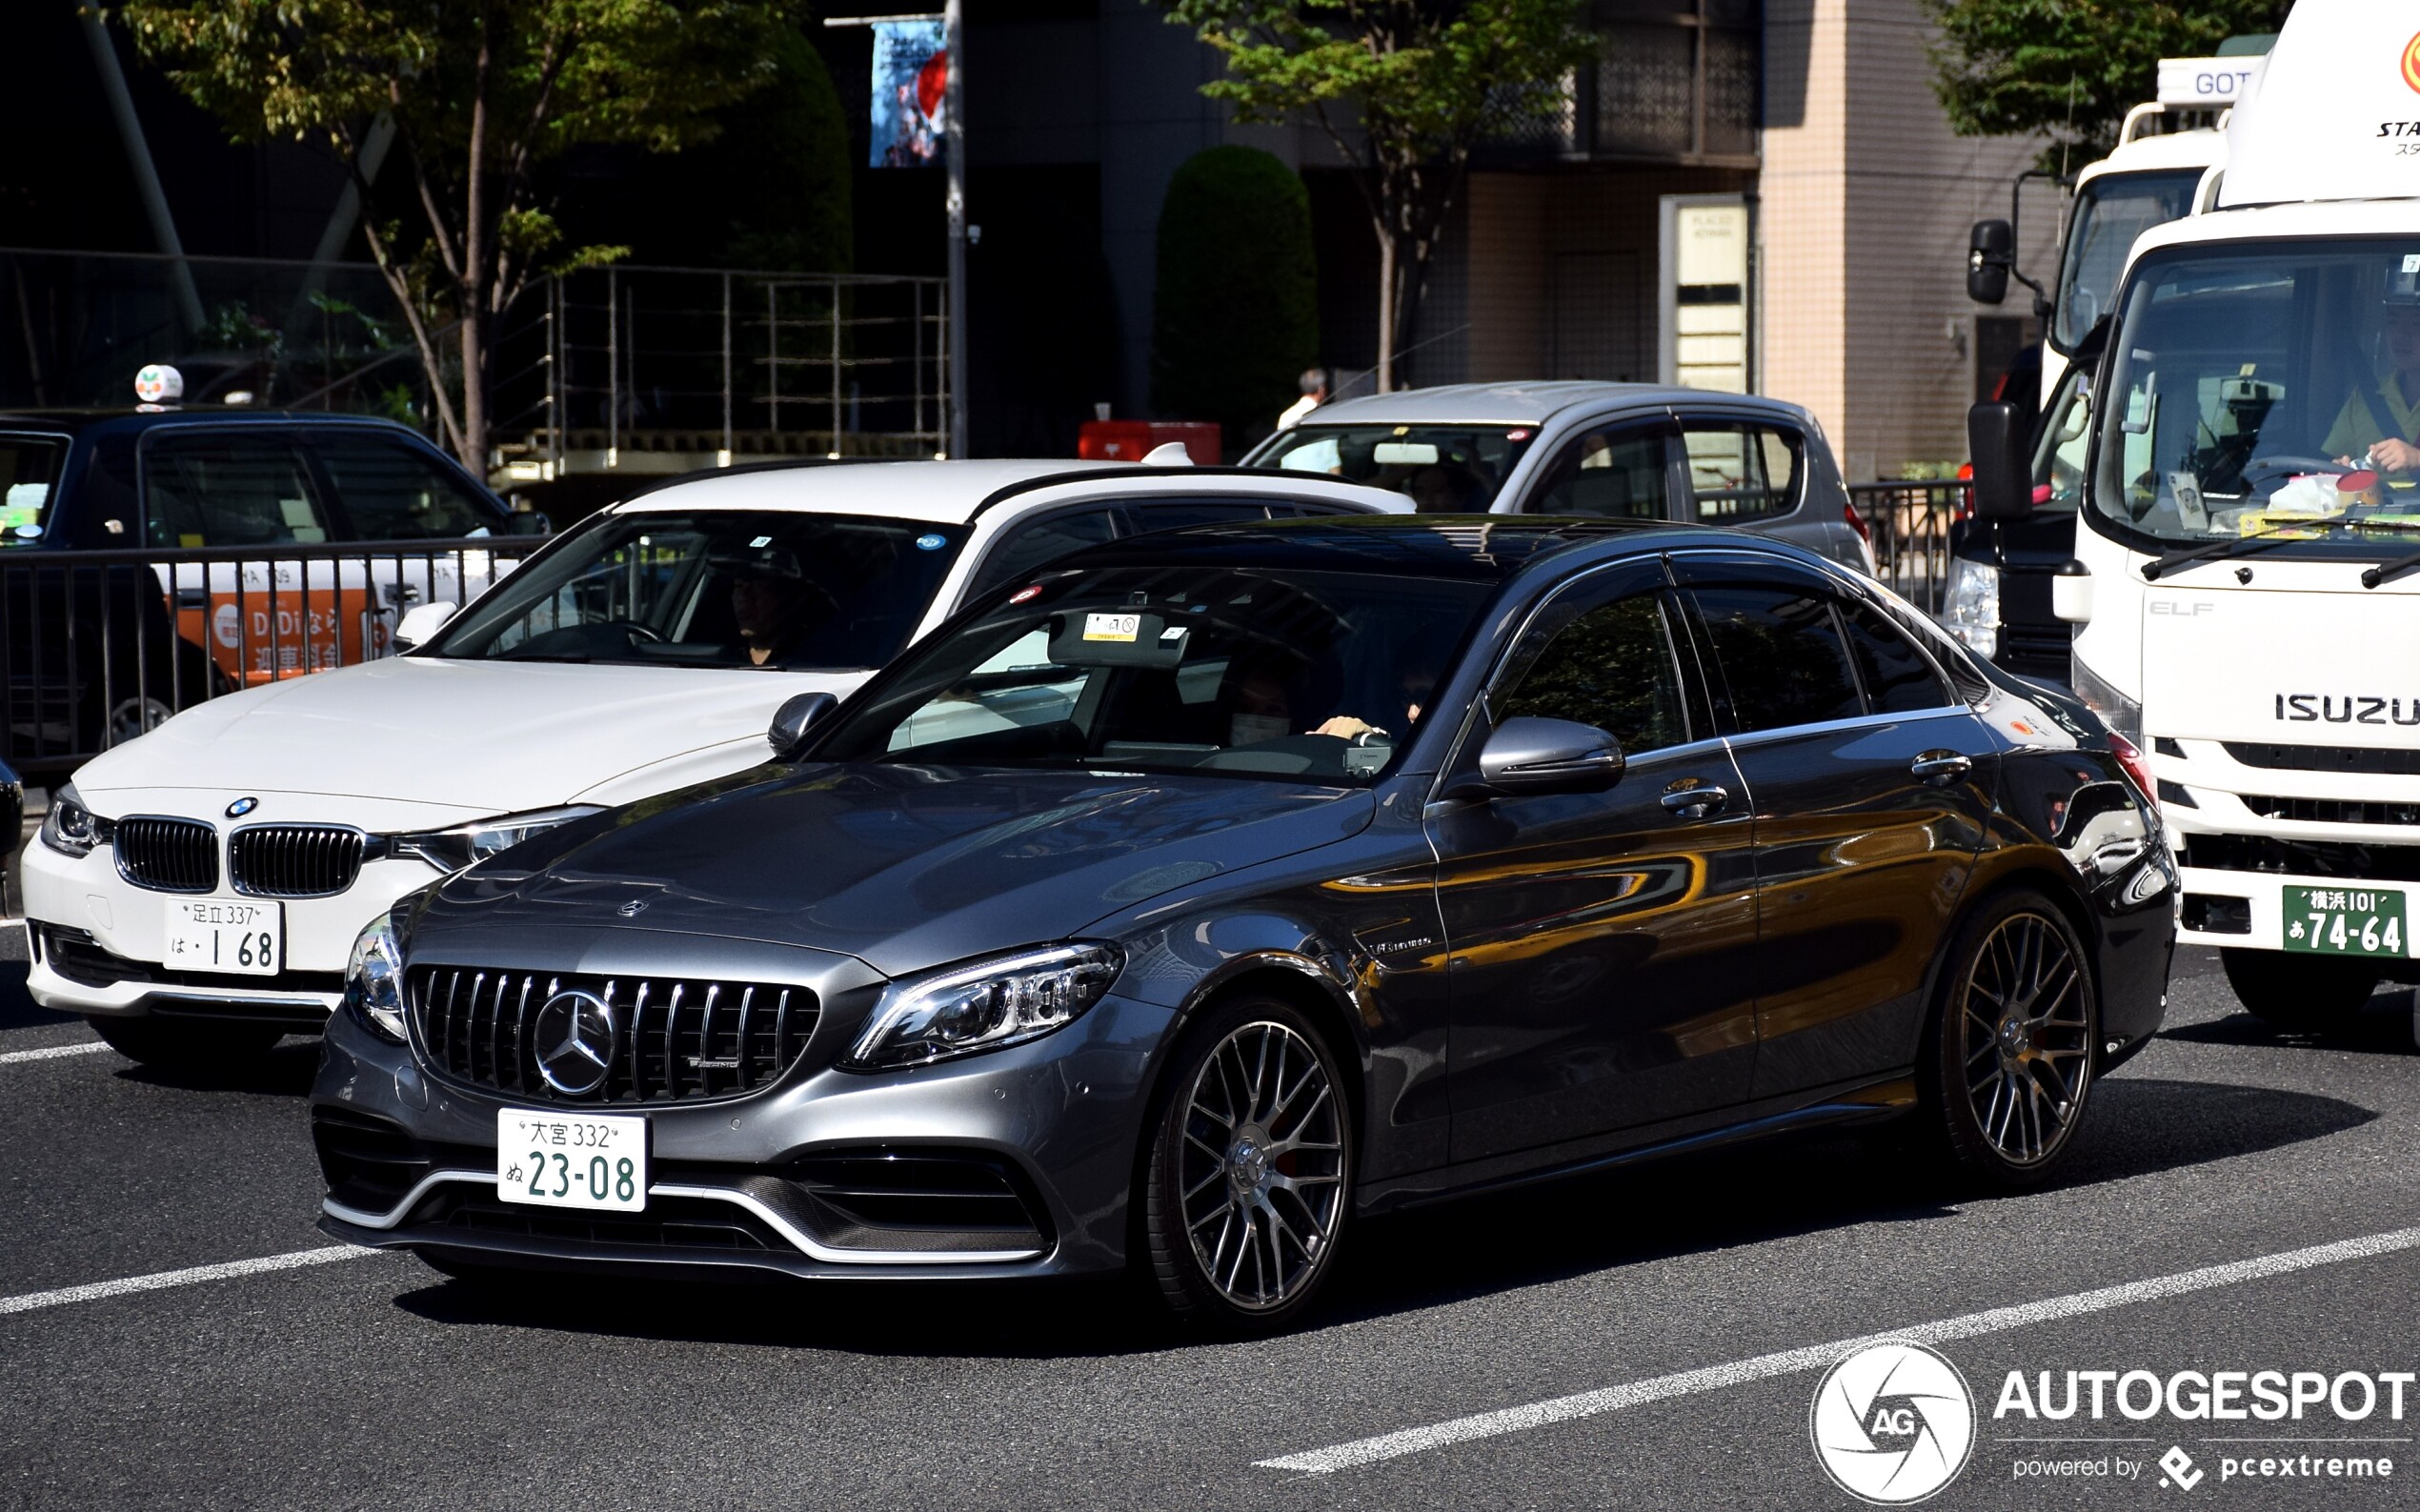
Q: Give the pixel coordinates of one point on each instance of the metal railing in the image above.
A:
(101, 646)
(664, 370)
(1910, 523)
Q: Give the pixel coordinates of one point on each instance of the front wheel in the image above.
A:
(2007, 1067)
(182, 1044)
(1248, 1182)
(2298, 994)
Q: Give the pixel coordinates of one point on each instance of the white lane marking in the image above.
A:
(321, 1254)
(53, 1052)
(1816, 1357)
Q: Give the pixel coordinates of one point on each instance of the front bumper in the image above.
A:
(99, 942)
(1016, 1163)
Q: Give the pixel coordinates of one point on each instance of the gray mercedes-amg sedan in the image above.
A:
(1178, 906)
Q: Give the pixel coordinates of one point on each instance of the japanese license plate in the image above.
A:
(234, 934)
(570, 1159)
(2345, 922)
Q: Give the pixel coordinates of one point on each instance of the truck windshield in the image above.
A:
(28, 476)
(2253, 388)
(2109, 213)
(1444, 469)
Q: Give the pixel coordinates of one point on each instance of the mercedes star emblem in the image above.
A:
(574, 1037)
(633, 909)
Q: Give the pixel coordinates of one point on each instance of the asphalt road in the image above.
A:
(371, 1380)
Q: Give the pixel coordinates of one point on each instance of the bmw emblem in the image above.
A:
(241, 807)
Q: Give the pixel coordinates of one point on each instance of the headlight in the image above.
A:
(72, 828)
(2116, 710)
(373, 981)
(451, 850)
(1005, 1000)
(1971, 605)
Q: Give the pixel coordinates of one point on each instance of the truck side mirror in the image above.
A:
(2003, 482)
(1991, 250)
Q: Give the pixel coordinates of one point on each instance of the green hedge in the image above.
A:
(1236, 317)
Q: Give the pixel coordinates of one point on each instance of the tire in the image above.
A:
(184, 1044)
(1247, 1187)
(2006, 1074)
(2298, 994)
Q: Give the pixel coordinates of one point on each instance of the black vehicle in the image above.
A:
(1206, 891)
(11, 826)
(95, 504)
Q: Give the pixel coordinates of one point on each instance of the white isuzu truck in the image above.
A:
(2248, 559)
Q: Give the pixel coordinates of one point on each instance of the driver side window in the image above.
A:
(1614, 667)
(1617, 472)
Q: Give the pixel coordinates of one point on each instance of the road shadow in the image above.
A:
(17, 1008)
(2383, 1027)
(285, 1071)
(1460, 1250)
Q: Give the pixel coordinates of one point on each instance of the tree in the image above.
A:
(1236, 309)
(480, 96)
(2068, 70)
(1404, 89)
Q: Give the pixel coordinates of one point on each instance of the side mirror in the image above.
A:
(1528, 754)
(420, 624)
(2072, 593)
(792, 722)
(1991, 250)
(2004, 480)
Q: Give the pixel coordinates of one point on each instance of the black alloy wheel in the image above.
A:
(2008, 1055)
(1248, 1183)
(2299, 994)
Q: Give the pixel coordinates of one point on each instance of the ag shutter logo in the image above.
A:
(1892, 1424)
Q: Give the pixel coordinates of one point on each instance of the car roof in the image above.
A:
(954, 493)
(1477, 547)
(124, 417)
(1512, 403)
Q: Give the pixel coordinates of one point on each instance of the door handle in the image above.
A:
(1694, 802)
(1940, 768)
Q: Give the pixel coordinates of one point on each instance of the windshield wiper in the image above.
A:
(2379, 573)
(2217, 550)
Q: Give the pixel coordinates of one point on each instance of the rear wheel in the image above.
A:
(185, 1044)
(2299, 994)
(2007, 1067)
(1249, 1178)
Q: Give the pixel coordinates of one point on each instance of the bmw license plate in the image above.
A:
(232, 935)
(2345, 922)
(570, 1159)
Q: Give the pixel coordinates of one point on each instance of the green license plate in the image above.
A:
(2345, 922)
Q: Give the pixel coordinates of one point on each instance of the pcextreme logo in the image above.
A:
(1892, 1424)
(2411, 62)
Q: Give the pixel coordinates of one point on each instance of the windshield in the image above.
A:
(1307, 676)
(2252, 387)
(2109, 213)
(1444, 469)
(737, 588)
(28, 476)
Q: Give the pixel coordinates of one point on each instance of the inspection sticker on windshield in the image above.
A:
(1113, 626)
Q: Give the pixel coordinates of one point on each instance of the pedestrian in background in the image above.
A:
(1314, 386)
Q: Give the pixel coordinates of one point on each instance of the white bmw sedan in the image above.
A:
(196, 893)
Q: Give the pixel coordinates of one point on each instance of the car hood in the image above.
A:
(904, 867)
(473, 737)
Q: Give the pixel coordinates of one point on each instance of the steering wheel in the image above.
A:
(632, 629)
(2290, 464)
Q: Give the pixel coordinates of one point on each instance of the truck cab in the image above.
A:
(2246, 585)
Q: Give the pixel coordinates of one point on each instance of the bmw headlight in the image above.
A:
(452, 849)
(989, 1004)
(373, 981)
(1971, 605)
(72, 828)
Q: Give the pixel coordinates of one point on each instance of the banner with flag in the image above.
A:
(910, 75)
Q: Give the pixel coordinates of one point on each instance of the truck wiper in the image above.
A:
(2216, 551)
(2379, 573)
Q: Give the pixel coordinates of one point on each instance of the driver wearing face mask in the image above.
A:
(1263, 709)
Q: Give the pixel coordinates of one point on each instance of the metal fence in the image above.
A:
(103, 645)
(1909, 523)
(664, 370)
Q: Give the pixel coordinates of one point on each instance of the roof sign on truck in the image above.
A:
(2337, 114)
(2206, 84)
